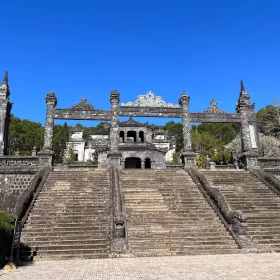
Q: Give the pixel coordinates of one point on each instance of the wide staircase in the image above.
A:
(259, 203)
(166, 214)
(71, 217)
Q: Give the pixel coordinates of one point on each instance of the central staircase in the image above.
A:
(71, 217)
(166, 214)
(259, 203)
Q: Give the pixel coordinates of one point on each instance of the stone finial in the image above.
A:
(51, 97)
(34, 151)
(114, 96)
(242, 88)
(184, 99)
(244, 99)
(5, 79)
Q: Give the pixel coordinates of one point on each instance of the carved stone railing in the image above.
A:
(174, 166)
(18, 161)
(119, 242)
(268, 179)
(269, 162)
(235, 221)
(26, 200)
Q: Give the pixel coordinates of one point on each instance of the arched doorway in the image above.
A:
(141, 136)
(122, 136)
(147, 163)
(132, 134)
(132, 162)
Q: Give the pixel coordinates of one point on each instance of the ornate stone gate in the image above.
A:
(150, 105)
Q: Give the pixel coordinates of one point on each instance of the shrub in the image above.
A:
(6, 234)
(176, 159)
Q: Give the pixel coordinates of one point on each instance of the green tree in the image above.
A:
(71, 156)
(175, 129)
(6, 231)
(61, 136)
(24, 135)
(175, 158)
(268, 119)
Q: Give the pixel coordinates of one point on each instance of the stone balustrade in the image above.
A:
(18, 161)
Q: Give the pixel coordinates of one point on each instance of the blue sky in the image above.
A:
(87, 48)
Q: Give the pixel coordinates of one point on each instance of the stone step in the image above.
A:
(61, 216)
(63, 231)
(70, 256)
(134, 248)
(188, 228)
(64, 225)
(62, 221)
(69, 193)
(197, 251)
(69, 207)
(54, 204)
(88, 243)
(83, 236)
(169, 243)
(68, 249)
(70, 212)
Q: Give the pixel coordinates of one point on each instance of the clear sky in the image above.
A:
(85, 48)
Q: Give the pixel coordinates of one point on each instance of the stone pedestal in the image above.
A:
(115, 158)
(189, 158)
(250, 159)
(45, 158)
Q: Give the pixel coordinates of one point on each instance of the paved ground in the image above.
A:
(224, 267)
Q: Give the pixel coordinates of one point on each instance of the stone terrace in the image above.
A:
(206, 267)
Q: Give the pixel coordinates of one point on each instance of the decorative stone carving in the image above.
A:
(150, 100)
(18, 161)
(5, 110)
(214, 108)
(132, 122)
(83, 105)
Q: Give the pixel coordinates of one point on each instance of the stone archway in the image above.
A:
(132, 163)
(147, 163)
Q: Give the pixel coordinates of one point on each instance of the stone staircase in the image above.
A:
(245, 192)
(71, 217)
(166, 214)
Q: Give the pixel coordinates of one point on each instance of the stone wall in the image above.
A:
(11, 188)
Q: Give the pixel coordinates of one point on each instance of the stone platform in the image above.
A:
(218, 267)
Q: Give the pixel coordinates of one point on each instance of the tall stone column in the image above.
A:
(46, 154)
(249, 136)
(114, 154)
(189, 155)
(5, 111)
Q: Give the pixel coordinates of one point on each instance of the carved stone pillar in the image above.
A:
(144, 137)
(142, 164)
(123, 164)
(249, 135)
(114, 155)
(46, 154)
(51, 102)
(5, 111)
(125, 137)
(189, 155)
(137, 137)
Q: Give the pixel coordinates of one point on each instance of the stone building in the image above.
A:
(140, 144)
